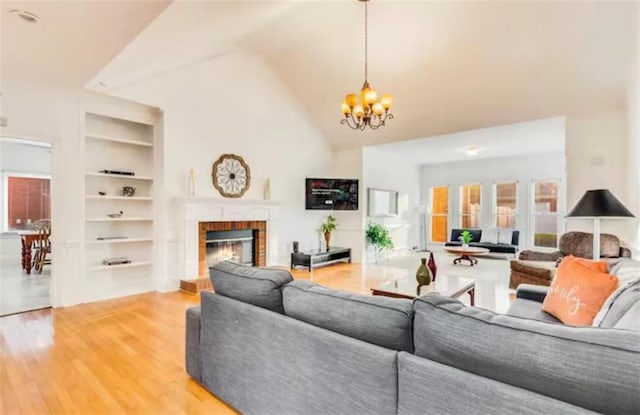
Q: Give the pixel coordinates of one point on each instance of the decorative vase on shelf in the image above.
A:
(327, 239)
(423, 275)
(192, 188)
(431, 264)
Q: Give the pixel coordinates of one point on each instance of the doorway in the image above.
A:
(25, 225)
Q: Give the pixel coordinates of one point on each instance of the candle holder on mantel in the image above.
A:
(192, 187)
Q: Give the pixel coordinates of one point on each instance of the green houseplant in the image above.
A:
(327, 227)
(466, 237)
(378, 236)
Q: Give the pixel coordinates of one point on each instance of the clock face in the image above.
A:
(231, 175)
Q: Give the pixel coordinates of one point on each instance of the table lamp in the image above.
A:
(596, 204)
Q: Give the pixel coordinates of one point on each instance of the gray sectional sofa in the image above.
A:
(268, 345)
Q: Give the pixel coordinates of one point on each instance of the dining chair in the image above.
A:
(41, 244)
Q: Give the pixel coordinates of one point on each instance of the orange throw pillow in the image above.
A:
(578, 292)
(600, 266)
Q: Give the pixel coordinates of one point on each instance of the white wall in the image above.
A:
(597, 148)
(524, 170)
(23, 159)
(382, 172)
(633, 120)
(235, 104)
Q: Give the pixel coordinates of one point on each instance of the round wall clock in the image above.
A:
(231, 175)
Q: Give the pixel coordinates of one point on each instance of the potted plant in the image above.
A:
(378, 236)
(465, 237)
(327, 227)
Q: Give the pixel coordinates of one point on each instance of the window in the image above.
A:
(505, 205)
(545, 213)
(28, 200)
(470, 206)
(439, 213)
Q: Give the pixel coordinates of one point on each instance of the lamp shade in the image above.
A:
(599, 203)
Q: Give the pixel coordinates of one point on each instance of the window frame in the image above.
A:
(533, 213)
(445, 215)
(494, 207)
(460, 215)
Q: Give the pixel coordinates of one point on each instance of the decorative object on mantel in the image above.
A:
(465, 238)
(192, 187)
(231, 175)
(327, 227)
(378, 236)
(267, 189)
(423, 274)
(115, 215)
(368, 110)
(109, 238)
(128, 191)
(102, 193)
(431, 264)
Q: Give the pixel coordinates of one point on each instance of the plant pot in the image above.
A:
(465, 246)
(327, 238)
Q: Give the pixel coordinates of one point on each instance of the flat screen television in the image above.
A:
(332, 194)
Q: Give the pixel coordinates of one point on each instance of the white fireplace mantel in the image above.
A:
(193, 210)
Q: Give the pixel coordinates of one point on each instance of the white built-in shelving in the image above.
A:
(118, 140)
(118, 241)
(126, 143)
(113, 267)
(119, 176)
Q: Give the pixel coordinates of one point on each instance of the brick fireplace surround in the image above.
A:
(260, 252)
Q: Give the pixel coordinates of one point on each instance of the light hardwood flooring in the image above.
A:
(127, 355)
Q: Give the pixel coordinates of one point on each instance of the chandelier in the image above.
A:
(366, 110)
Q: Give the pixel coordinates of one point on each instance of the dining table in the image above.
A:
(27, 237)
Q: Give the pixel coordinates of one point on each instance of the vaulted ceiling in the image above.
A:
(72, 41)
(451, 65)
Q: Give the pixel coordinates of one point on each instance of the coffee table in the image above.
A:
(407, 287)
(466, 254)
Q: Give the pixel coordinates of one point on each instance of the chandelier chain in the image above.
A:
(366, 40)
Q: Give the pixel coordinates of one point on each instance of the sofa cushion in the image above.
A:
(505, 236)
(628, 273)
(524, 308)
(384, 321)
(490, 236)
(427, 387)
(257, 286)
(624, 312)
(594, 368)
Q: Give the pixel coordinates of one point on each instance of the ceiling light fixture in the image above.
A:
(366, 110)
(471, 151)
(25, 15)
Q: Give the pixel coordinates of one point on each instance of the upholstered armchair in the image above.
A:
(538, 268)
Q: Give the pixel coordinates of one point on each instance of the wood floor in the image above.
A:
(117, 356)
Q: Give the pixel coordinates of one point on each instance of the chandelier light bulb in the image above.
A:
(346, 109)
(351, 100)
(358, 111)
(378, 109)
(386, 101)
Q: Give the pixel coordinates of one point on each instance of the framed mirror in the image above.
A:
(382, 202)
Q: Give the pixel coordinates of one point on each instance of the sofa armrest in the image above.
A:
(532, 292)
(192, 348)
(529, 255)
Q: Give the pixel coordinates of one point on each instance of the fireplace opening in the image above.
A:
(237, 246)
